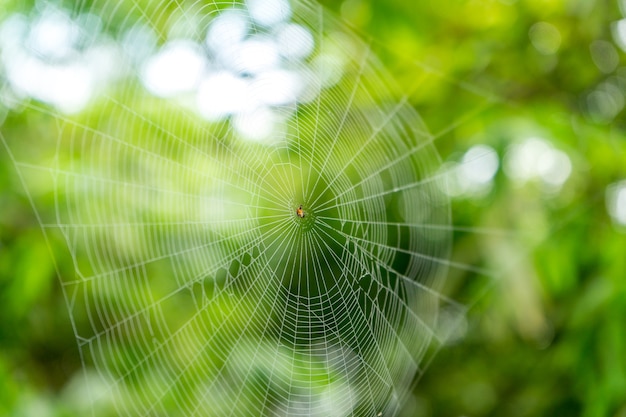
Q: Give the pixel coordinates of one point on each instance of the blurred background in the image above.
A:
(526, 101)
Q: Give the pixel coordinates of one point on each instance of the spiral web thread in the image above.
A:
(194, 284)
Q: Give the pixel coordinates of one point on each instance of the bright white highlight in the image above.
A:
(479, 164)
(473, 175)
(616, 202)
(253, 69)
(242, 72)
(554, 168)
(44, 59)
(256, 125)
(139, 43)
(227, 30)
(277, 88)
(53, 35)
(222, 94)
(177, 68)
(67, 87)
(619, 33)
(269, 12)
(295, 42)
(536, 159)
(255, 56)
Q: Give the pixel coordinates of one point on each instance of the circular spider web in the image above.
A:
(254, 217)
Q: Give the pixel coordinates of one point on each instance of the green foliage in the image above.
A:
(546, 333)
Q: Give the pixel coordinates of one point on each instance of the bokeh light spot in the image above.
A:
(545, 37)
(269, 12)
(177, 68)
(537, 159)
(473, 175)
(616, 202)
(604, 55)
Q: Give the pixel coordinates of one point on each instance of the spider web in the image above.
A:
(194, 285)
